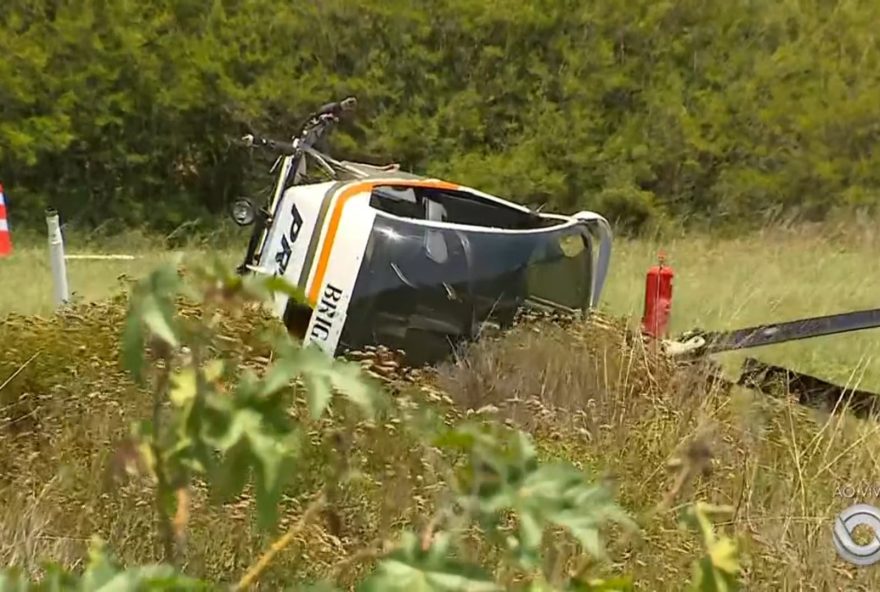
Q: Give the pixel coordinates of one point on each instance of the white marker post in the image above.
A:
(56, 258)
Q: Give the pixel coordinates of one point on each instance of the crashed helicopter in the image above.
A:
(421, 265)
(417, 264)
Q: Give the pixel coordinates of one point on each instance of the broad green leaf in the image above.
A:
(484, 442)
(531, 534)
(456, 438)
(102, 574)
(322, 373)
(251, 440)
(150, 306)
(274, 466)
(13, 579)
(157, 321)
(277, 283)
(719, 568)
(242, 423)
(248, 438)
(700, 515)
(411, 569)
(213, 370)
(183, 382)
(540, 585)
(153, 578)
(357, 387)
(279, 375)
(149, 458)
(724, 555)
(141, 438)
(231, 474)
(616, 584)
(581, 508)
(318, 393)
(506, 476)
(133, 346)
(100, 569)
(183, 386)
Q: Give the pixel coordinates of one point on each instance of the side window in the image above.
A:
(559, 269)
(435, 239)
(399, 201)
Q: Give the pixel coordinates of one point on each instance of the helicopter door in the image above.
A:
(442, 309)
(413, 291)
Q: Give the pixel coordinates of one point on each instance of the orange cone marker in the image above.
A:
(5, 236)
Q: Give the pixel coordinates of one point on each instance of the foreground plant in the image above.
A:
(101, 572)
(233, 430)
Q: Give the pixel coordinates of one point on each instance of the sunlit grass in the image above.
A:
(763, 278)
(719, 284)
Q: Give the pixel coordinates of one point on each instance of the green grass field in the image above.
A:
(719, 284)
(781, 466)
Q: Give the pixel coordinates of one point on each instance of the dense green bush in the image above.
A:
(650, 109)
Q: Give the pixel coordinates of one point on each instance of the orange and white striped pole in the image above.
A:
(5, 237)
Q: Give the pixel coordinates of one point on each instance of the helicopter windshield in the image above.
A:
(425, 288)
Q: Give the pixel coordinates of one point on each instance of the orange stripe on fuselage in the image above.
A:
(336, 216)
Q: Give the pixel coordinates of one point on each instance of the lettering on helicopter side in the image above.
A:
(325, 314)
(282, 258)
(295, 223)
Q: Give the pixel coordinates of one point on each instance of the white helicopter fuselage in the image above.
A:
(324, 236)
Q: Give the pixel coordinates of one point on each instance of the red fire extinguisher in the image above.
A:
(658, 299)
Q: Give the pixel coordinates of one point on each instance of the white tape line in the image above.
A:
(102, 257)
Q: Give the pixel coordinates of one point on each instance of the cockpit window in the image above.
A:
(458, 207)
(559, 273)
(423, 289)
(400, 201)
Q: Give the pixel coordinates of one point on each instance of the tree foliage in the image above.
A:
(640, 108)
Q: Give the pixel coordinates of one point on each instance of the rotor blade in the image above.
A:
(810, 390)
(771, 334)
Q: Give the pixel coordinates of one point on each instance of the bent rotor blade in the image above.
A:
(771, 334)
(810, 391)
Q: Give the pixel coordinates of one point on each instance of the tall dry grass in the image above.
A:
(588, 395)
(785, 468)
